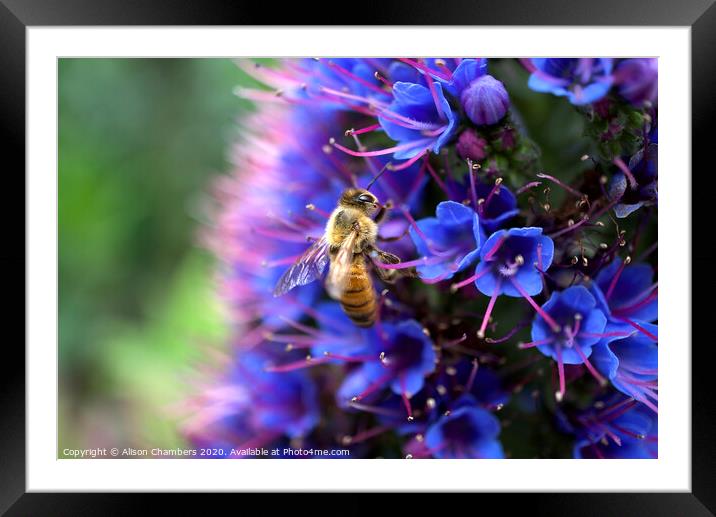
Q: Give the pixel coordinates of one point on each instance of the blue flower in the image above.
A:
(450, 242)
(582, 81)
(498, 206)
(404, 356)
(621, 430)
(627, 292)
(467, 432)
(637, 80)
(511, 261)
(345, 75)
(417, 120)
(635, 185)
(631, 364)
(567, 328)
(282, 402)
(484, 98)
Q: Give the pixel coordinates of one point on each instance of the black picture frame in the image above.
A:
(17, 15)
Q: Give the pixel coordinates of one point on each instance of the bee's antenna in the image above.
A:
(380, 173)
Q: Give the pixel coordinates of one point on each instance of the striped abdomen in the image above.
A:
(359, 300)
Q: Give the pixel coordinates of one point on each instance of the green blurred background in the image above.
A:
(139, 142)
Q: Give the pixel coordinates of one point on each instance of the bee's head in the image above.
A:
(359, 198)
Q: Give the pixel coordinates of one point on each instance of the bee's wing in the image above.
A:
(306, 269)
(339, 272)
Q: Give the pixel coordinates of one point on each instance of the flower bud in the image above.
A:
(471, 145)
(485, 100)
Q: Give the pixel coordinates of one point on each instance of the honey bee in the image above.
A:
(348, 243)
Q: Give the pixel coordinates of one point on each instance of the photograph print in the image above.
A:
(402, 258)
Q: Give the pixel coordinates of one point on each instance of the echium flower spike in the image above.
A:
(442, 137)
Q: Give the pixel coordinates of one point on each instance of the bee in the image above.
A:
(348, 244)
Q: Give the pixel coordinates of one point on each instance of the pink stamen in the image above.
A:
(293, 338)
(381, 152)
(652, 294)
(375, 386)
(383, 80)
(507, 336)
(601, 380)
(437, 179)
(443, 67)
(653, 383)
(570, 228)
(349, 358)
(490, 305)
(492, 193)
(566, 187)
(410, 162)
(363, 130)
(438, 278)
(353, 97)
(614, 281)
(425, 69)
(409, 123)
(628, 432)
(553, 324)
(616, 410)
(525, 188)
(539, 342)
(623, 167)
(639, 371)
(370, 433)
(473, 374)
(473, 190)
(646, 401)
(319, 211)
(469, 280)
(297, 365)
(356, 78)
(607, 334)
(377, 410)
(527, 64)
(452, 342)
(495, 248)
(560, 370)
(300, 326)
(638, 327)
(406, 400)
(416, 184)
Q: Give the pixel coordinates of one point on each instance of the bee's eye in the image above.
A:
(365, 198)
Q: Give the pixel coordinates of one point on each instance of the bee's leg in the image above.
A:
(383, 211)
(388, 275)
(383, 256)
